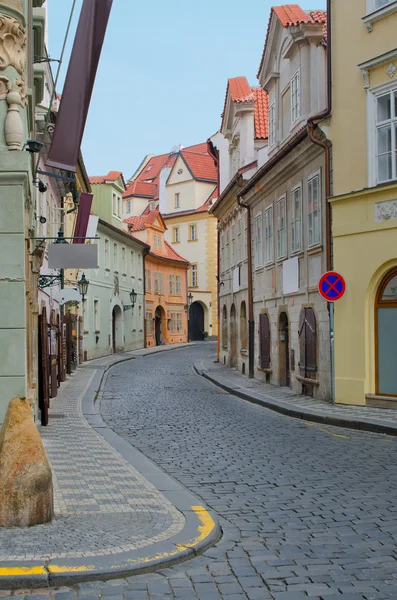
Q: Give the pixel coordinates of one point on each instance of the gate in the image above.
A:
(44, 393)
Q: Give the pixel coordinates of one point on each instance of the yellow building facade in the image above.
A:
(364, 199)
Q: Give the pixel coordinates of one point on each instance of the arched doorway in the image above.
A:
(283, 350)
(159, 324)
(386, 336)
(196, 322)
(117, 330)
(243, 327)
(233, 337)
(224, 328)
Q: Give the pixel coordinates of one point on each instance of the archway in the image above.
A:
(159, 324)
(196, 322)
(117, 329)
(386, 336)
(283, 350)
(233, 337)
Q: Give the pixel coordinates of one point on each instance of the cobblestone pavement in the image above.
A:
(233, 378)
(101, 502)
(307, 510)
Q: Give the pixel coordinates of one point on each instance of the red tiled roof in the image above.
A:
(199, 148)
(154, 166)
(291, 15)
(261, 114)
(240, 91)
(142, 189)
(202, 166)
(139, 223)
(167, 252)
(111, 176)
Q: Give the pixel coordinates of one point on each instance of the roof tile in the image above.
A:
(261, 113)
(142, 189)
(111, 176)
(202, 166)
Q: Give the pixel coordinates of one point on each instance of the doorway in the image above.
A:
(233, 337)
(196, 322)
(159, 317)
(386, 336)
(117, 343)
(283, 350)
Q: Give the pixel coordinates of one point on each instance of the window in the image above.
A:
(194, 276)
(224, 328)
(238, 247)
(386, 133)
(176, 322)
(156, 282)
(115, 258)
(172, 284)
(281, 229)
(272, 125)
(177, 201)
(243, 327)
(295, 98)
(296, 219)
(307, 343)
(119, 207)
(128, 206)
(258, 241)
(123, 265)
(107, 257)
(178, 285)
(132, 263)
(192, 232)
(314, 210)
(227, 251)
(233, 244)
(97, 324)
(176, 235)
(269, 246)
(382, 3)
(149, 322)
(264, 341)
(114, 205)
(148, 281)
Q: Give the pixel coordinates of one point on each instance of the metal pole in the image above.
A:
(331, 331)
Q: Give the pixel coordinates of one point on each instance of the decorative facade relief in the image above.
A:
(4, 87)
(391, 70)
(384, 211)
(12, 44)
(13, 127)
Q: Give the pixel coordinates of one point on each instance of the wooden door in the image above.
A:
(43, 367)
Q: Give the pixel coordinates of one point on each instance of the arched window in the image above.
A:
(308, 343)
(224, 328)
(264, 340)
(243, 327)
(386, 336)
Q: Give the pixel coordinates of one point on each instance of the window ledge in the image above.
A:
(244, 352)
(307, 380)
(96, 331)
(268, 371)
(378, 15)
(192, 240)
(314, 250)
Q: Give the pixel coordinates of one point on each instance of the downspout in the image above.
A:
(144, 254)
(251, 325)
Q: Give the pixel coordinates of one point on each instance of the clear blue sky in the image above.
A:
(162, 76)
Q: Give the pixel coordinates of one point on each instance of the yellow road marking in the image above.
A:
(346, 437)
(15, 571)
(207, 524)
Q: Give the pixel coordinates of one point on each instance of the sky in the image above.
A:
(163, 72)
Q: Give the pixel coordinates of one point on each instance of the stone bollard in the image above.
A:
(26, 495)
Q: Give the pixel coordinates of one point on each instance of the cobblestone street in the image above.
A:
(307, 510)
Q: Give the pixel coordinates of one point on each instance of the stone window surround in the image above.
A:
(377, 15)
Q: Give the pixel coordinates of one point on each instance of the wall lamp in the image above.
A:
(83, 284)
(133, 297)
(33, 146)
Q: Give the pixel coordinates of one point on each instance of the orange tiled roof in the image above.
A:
(168, 252)
(291, 15)
(154, 166)
(142, 189)
(261, 113)
(139, 223)
(202, 166)
(111, 176)
(240, 91)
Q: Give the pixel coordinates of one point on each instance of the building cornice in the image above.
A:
(373, 63)
(378, 15)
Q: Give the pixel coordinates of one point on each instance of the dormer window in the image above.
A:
(295, 98)
(272, 125)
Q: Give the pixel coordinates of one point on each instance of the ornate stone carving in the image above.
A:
(12, 44)
(23, 91)
(4, 87)
(13, 127)
(391, 70)
(384, 211)
(365, 74)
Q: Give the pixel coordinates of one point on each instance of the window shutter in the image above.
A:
(264, 334)
(308, 343)
(302, 344)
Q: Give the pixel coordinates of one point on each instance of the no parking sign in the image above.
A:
(332, 286)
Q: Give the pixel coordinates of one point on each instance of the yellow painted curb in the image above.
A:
(15, 571)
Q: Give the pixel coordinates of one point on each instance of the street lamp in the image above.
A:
(190, 299)
(189, 303)
(133, 297)
(83, 284)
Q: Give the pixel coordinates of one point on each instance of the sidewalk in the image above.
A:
(116, 512)
(286, 402)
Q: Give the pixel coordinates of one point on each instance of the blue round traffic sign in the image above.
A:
(332, 286)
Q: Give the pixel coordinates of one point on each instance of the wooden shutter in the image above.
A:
(44, 382)
(307, 343)
(302, 344)
(264, 340)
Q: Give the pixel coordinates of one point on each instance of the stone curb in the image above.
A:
(374, 426)
(201, 530)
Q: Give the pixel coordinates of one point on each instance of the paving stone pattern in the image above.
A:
(308, 511)
(91, 480)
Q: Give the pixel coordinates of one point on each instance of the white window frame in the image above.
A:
(272, 124)
(194, 275)
(115, 258)
(177, 200)
(177, 235)
(281, 232)
(172, 284)
(373, 127)
(123, 262)
(191, 237)
(258, 236)
(178, 285)
(118, 207)
(114, 205)
(269, 245)
(309, 179)
(295, 106)
(376, 13)
(293, 220)
(107, 254)
(132, 264)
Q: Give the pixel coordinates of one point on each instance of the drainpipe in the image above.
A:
(312, 125)
(251, 340)
(144, 254)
